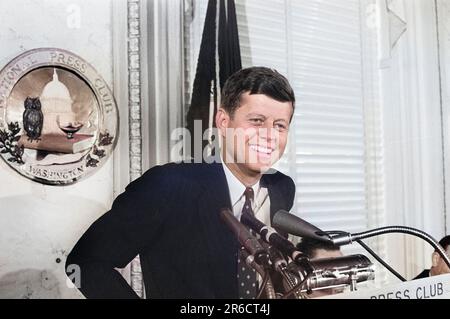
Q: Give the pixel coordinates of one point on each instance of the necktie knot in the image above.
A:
(249, 194)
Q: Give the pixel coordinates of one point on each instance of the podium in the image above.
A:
(436, 287)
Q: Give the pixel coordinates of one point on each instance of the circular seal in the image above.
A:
(58, 117)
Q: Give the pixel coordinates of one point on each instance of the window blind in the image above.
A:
(318, 45)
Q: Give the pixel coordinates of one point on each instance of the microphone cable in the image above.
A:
(297, 287)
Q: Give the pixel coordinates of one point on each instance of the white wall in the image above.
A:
(444, 54)
(38, 223)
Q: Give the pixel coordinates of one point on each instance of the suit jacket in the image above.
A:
(170, 218)
(423, 274)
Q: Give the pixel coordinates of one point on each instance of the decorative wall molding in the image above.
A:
(148, 78)
(135, 118)
(134, 88)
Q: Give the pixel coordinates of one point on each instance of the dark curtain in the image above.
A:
(205, 76)
(229, 49)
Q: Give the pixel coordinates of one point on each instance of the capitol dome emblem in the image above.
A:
(58, 117)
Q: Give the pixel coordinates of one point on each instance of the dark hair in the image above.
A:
(255, 80)
(310, 246)
(445, 241)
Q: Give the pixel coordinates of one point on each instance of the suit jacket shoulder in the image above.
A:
(278, 179)
(424, 274)
(191, 177)
(281, 190)
(173, 173)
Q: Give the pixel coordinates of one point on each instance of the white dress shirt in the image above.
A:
(260, 204)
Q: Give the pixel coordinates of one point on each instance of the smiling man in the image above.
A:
(255, 134)
(170, 216)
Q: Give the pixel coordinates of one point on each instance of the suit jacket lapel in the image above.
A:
(222, 243)
(277, 198)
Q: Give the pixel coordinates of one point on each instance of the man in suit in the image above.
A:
(170, 215)
(438, 265)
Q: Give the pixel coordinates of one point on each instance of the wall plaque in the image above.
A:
(58, 117)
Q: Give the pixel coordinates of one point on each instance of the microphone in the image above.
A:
(250, 243)
(272, 237)
(340, 271)
(277, 259)
(296, 226)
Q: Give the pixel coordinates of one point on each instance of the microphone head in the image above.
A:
(298, 227)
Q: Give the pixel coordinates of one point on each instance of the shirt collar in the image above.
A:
(235, 186)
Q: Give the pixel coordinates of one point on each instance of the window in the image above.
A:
(324, 48)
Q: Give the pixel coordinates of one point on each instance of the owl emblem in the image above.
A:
(33, 118)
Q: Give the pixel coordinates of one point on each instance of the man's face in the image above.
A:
(439, 265)
(255, 136)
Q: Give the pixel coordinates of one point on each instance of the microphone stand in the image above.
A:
(297, 226)
(255, 254)
(267, 284)
(347, 238)
(279, 264)
(280, 251)
(296, 287)
(370, 251)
